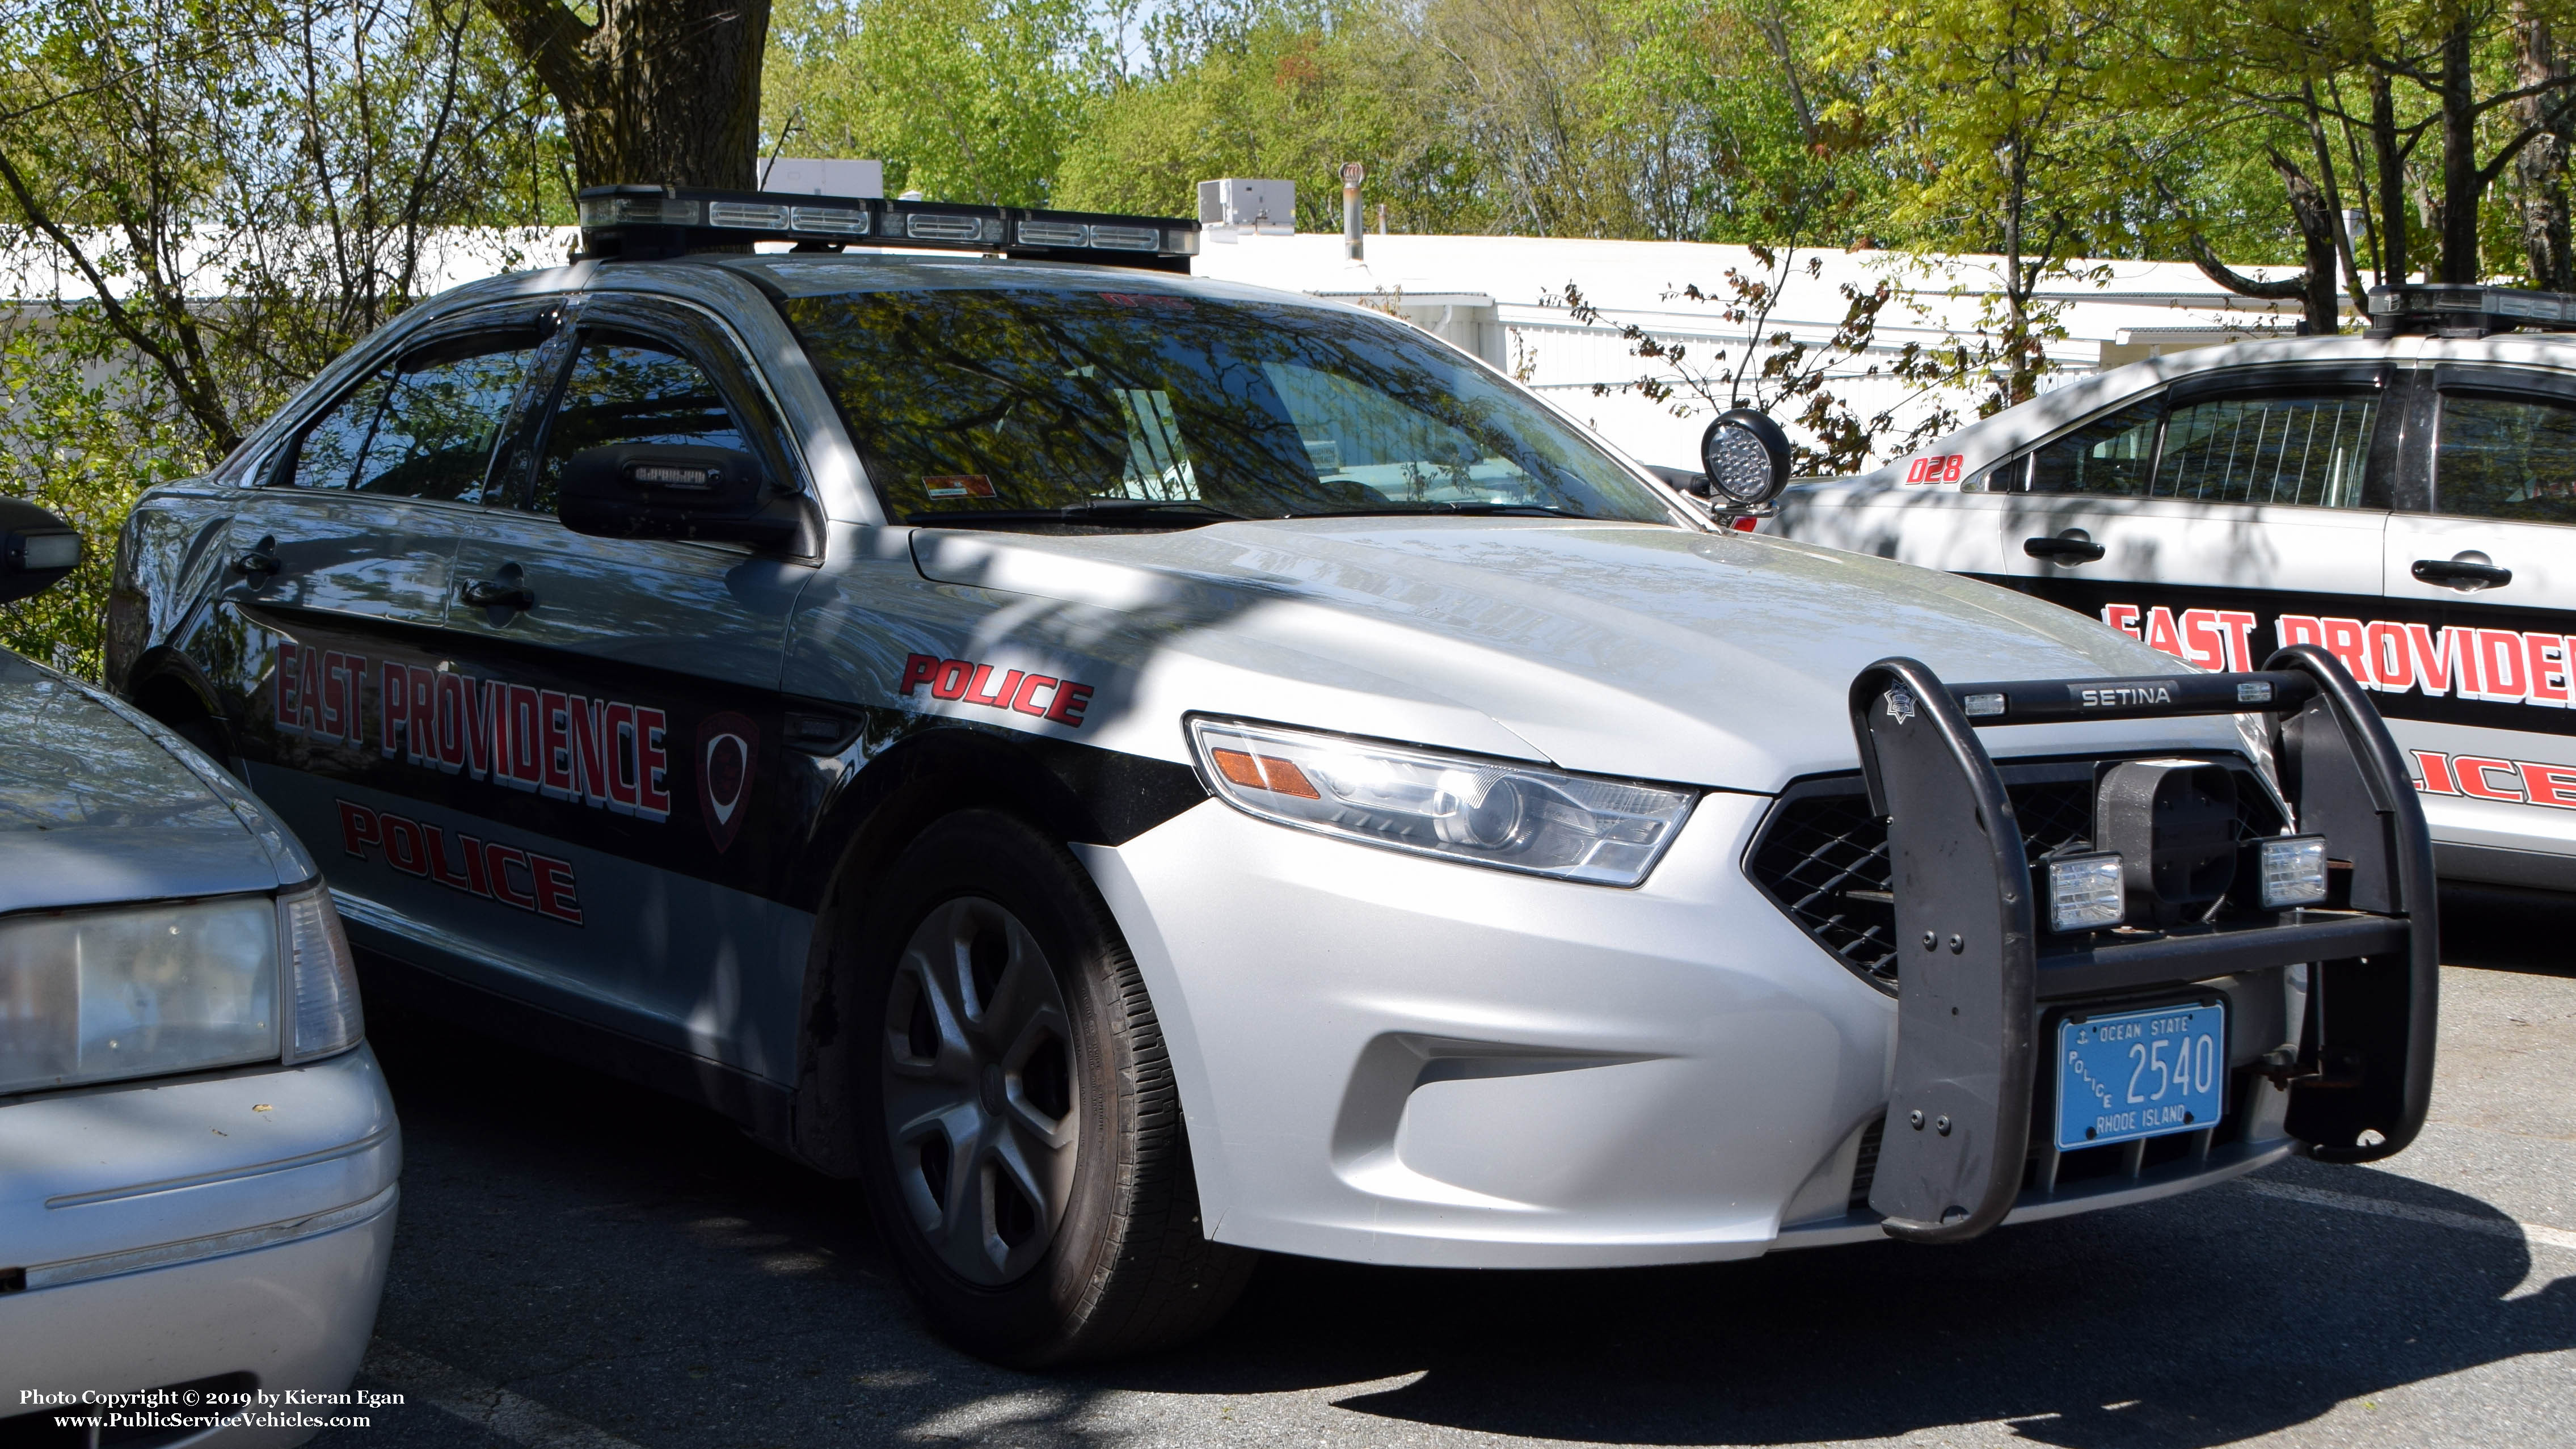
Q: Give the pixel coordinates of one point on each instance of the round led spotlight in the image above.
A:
(1746, 457)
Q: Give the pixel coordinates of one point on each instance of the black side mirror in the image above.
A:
(1746, 457)
(36, 550)
(676, 490)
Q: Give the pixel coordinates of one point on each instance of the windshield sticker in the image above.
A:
(1040, 696)
(957, 485)
(486, 869)
(2497, 666)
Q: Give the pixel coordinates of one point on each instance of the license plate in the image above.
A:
(2131, 1074)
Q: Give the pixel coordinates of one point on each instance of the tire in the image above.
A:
(1020, 1134)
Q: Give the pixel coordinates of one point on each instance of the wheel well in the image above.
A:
(173, 700)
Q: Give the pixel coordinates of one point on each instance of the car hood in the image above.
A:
(99, 804)
(1718, 659)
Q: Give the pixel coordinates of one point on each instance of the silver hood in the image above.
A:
(1655, 653)
(100, 805)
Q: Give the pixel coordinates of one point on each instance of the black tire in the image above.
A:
(1126, 1266)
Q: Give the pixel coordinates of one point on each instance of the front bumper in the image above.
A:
(173, 1232)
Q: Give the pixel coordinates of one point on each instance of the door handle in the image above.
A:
(2457, 572)
(2070, 548)
(489, 594)
(260, 562)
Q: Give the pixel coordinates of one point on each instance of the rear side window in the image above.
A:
(2506, 458)
(2109, 456)
(423, 425)
(626, 389)
(2306, 450)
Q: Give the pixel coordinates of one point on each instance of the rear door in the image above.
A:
(340, 566)
(2480, 579)
(619, 729)
(2195, 518)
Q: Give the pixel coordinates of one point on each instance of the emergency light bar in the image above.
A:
(2461, 309)
(643, 223)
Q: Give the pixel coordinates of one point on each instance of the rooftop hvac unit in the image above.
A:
(1265, 207)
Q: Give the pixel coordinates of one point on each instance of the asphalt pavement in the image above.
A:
(582, 1264)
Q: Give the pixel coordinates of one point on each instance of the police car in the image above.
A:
(1139, 769)
(2405, 500)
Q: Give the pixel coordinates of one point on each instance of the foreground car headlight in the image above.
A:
(321, 973)
(95, 995)
(1460, 807)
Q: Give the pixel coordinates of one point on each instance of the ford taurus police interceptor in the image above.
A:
(2404, 500)
(1138, 769)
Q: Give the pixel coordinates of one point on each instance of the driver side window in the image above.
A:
(629, 389)
(2111, 456)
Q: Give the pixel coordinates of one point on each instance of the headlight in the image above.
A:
(145, 991)
(1460, 807)
(91, 996)
(322, 974)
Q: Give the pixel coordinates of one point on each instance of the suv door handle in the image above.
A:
(2070, 548)
(259, 563)
(2457, 571)
(487, 594)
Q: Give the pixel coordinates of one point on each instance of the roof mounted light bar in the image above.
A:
(2461, 309)
(642, 223)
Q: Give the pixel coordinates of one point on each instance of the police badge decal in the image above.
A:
(728, 751)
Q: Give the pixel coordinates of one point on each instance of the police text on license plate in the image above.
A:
(2132, 1074)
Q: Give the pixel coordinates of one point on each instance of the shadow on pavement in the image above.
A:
(638, 1265)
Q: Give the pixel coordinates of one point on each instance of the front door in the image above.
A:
(341, 566)
(2197, 518)
(2480, 578)
(620, 721)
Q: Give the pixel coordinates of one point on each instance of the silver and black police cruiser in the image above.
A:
(2405, 500)
(970, 713)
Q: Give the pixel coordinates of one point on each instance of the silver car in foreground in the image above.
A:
(197, 1151)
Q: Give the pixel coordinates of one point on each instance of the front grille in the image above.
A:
(1822, 857)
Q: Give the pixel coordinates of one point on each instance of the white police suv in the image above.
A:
(2404, 500)
(1139, 769)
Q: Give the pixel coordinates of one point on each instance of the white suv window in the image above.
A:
(2293, 449)
(2111, 456)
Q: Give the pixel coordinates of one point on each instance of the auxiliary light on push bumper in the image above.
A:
(1978, 968)
(641, 223)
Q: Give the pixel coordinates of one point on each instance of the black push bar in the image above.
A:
(1973, 972)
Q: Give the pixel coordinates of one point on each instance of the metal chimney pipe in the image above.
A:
(1352, 231)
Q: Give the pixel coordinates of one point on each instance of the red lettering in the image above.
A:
(2473, 772)
(2202, 643)
(405, 851)
(917, 670)
(1954, 463)
(358, 829)
(524, 758)
(999, 699)
(654, 798)
(1025, 699)
(2392, 664)
(2240, 637)
(2161, 633)
(2500, 660)
(2448, 666)
(438, 871)
(334, 719)
(592, 750)
(289, 698)
(2343, 641)
(2299, 629)
(2123, 617)
(554, 754)
(553, 880)
(953, 674)
(2547, 656)
(497, 860)
(453, 710)
(308, 699)
(420, 738)
(475, 879)
(393, 691)
(2550, 784)
(618, 724)
(2437, 773)
(1070, 702)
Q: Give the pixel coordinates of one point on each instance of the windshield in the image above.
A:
(992, 405)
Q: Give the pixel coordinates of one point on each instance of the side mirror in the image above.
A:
(1746, 456)
(36, 550)
(675, 490)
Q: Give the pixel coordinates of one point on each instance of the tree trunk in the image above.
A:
(661, 92)
(2542, 166)
(2318, 225)
(2461, 183)
(2390, 161)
